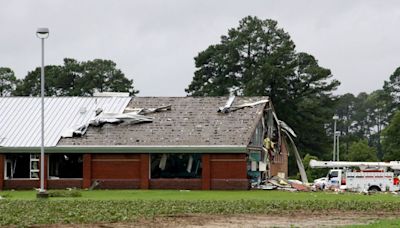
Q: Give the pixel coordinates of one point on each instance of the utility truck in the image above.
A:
(360, 176)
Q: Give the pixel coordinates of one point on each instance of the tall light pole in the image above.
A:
(42, 33)
(337, 145)
(335, 118)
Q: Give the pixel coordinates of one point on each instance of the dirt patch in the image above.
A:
(331, 219)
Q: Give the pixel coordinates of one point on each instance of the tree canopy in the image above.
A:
(392, 89)
(391, 139)
(75, 78)
(259, 59)
(360, 151)
(8, 81)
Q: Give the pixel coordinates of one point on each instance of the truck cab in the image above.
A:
(335, 178)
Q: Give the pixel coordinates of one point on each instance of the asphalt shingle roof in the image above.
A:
(192, 121)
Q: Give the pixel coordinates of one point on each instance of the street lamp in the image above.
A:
(335, 118)
(42, 33)
(337, 145)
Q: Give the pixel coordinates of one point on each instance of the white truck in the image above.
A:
(371, 176)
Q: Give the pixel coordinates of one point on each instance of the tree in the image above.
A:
(8, 81)
(392, 89)
(363, 118)
(254, 58)
(72, 72)
(391, 138)
(378, 103)
(346, 110)
(360, 151)
(312, 173)
(30, 85)
(259, 59)
(103, 76)
(75, 78)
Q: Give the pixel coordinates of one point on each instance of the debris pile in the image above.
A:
(280, 183)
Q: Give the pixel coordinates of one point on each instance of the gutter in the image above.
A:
(130, 149)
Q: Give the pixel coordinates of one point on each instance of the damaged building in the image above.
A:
(141, 142)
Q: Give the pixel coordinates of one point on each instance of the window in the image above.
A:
(21, 166)
(176, 166)
(65, 166)
(333, 174)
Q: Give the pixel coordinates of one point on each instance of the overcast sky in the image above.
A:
(154, 42)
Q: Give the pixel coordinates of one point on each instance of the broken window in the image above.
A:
(65, 166)
(176, 166)
(21, 166)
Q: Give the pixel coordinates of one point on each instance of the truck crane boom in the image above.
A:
(395, 165)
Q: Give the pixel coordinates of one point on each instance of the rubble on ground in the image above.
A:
(283, 184)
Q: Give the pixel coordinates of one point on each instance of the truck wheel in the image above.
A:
(374, 189)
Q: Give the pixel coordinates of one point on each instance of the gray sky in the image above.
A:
(154, 42)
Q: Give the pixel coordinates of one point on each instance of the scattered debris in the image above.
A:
(135, 116)
(280, 183)
(300, 187)
(116, 118)
(268, 186)
(286, 128)
(95, 184)
(144, 111)
(319, 184)
(229, 108)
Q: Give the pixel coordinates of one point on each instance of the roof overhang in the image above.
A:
(130, 149)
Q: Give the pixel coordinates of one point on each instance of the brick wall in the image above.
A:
(21, 184)
(219, 171)
(115, 166)
(118, 171)
(131, 171)
(228, 171)
(280, 162)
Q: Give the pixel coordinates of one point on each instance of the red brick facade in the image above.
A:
(87, 171)
(228, 171)
(280, 163)
(132, 171)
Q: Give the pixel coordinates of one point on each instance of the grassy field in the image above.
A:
(207, 195)
(21, 207)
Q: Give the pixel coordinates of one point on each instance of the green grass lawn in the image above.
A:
(21, 208)
(208, 195)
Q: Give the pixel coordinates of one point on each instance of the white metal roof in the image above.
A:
(20, 117)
